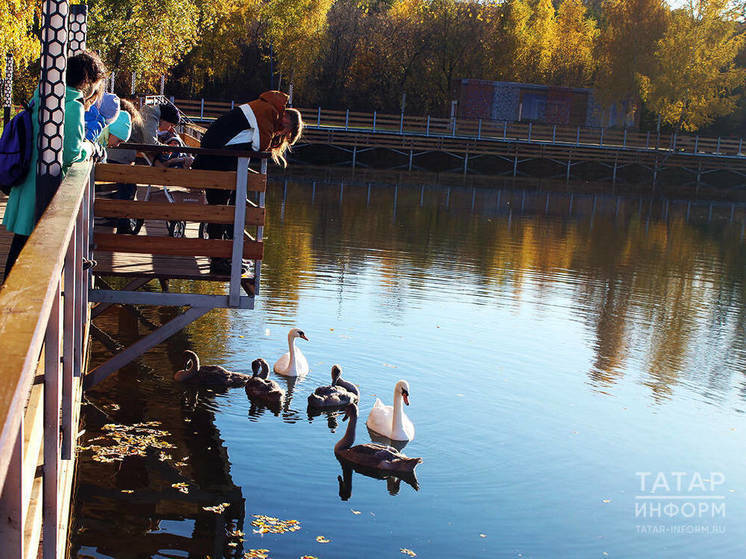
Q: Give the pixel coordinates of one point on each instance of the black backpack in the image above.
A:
(16, 149)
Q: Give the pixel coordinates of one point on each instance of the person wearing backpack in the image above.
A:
(85, 71)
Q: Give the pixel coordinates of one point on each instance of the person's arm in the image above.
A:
(75, 147)
(151, 118)
(94, 124)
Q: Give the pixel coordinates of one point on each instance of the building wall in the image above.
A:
(565, 106)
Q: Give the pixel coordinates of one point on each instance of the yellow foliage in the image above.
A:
(16, 38)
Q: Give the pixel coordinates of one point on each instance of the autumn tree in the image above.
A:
(143, 36)
(694, 74)
(573, 61)
(294, 30)
(16, 32)
(629, 38)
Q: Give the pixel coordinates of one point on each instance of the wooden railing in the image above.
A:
(489, 129)
(43, 316)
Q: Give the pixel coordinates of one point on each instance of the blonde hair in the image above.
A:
(281, 143)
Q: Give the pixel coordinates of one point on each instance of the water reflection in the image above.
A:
(632, 265)
(139, 494)
(331, 416)
(393, 481)
(559, 338)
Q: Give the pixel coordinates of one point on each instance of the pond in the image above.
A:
(576, 366)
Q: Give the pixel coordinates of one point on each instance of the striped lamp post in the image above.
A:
(7, 84)
(51, 104)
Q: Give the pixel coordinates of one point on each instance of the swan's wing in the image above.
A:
(282, 363)
(301, 363)
(378, 451)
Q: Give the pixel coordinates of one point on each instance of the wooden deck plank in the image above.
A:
(168, 211)
(107, 242)
(188, 178)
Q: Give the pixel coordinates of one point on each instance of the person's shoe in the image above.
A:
(89, 263)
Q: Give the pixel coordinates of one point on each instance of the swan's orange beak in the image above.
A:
(406, 397)
(302, 335)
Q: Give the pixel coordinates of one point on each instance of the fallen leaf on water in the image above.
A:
(309, 557)
(240, 336)
(482, 535)
(409, 552)
(322, 539)
(217, 509)
(390, 365)
(256, 554)
(272, 525)
(355, 511)
(183, 487)
(606, 501)
(128, 490)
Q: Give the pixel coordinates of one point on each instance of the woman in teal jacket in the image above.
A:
(84, 72)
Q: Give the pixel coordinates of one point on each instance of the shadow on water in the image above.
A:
(155, 499)
(393, 481)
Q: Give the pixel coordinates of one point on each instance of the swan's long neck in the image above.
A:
(396, 422)
(349, 437)
(291, 350)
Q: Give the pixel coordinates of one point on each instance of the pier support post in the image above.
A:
(466, 162)
(354, 156)
(569, 163)
(515, 163)
(411, 154)
(11, 502)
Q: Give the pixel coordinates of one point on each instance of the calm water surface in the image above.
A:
(557, 346)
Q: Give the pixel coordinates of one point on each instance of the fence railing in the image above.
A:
(490, 129)
(43, 316)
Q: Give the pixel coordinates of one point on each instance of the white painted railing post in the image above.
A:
(479, 130)
(577, 137)
(374, 121)
(260, 233)
(696, 143)
(347, 118)
(530, 128)
(401, 123)
(554, 134)
(740, 145)
(68, 347)
(717, 148)
(51, 505)
(202, 108)
(239, 224)
(427, 129)
(601, 140)
(505, 129)
(624, 142)
(318, 117)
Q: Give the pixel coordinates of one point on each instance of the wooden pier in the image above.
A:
(511, 145)
(49, 298)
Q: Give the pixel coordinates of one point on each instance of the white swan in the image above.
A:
(392, 422)
(293, 363)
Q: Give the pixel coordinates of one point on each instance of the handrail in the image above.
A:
(510, 131)
(33, 319)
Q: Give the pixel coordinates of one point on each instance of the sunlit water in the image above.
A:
(557, 346)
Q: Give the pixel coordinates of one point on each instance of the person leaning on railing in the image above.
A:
(85, 71)
(264, 124)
